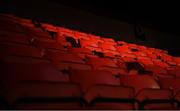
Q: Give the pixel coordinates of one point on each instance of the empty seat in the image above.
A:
(108, 97)
(156, 99)
(44, 96)
(123, 49)
(21, 50)
(175, 71)
(81, 35)
(92, 45)
(160, 63)
(156, 70)
(65, 31)
(67, 60)
(87, 79)
(45, 44)
(139, 82)
(145, 60)
(57, 56)
(81, 52)
(38, 32)
(49, 27)
(104, 64)
(107, 46)
(32, 72)
(170, 83)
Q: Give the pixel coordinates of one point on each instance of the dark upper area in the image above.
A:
(160, 16)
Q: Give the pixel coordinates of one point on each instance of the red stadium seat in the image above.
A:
(170, 83)
(21, 50)
(6, 36)
(105, 64)
(155, 99)
(139, 82)
(44, 96)
(106, 97)
(87, 79)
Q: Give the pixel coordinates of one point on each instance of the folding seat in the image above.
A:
(26, 23)
(6, 36)
(92, 45)
(57, 56)
(160, 63)
(108, 40)
(156, 69)
(145, 60)
(151, 55)
(87, 79)
(67, 60)
(139, 82)
(65, 31)
(49, 27)
(177, 60)
(95, 38)
(105, 64)
(148, 92)
(81, 52)
(166, 57)
(107, 46)
(175, 71)
(170, 83)
(127, 57)
(81, 35)
(21, 50)
(123, 49)
(44, 96)
(31, 72)
(156, 99)
(38, 32)
(106, 97)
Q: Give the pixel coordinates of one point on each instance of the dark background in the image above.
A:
(111, 18)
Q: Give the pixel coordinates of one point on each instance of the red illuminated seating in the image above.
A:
(66, 32)
(21, 50)
(145, 60)
(49, 27)
(37, 32)
(88, 79)
(123, 49)
(175, 71)
(49, 67)
(67, 60)
(139, 82)
(170, 83)
(32, 72)
(106, 97)
(81, 35)
(48, 44)
(105, 64)
(160, 63)
(47, 96)
(148, 93)
(92, 45)
(157, 99)
(5, 36)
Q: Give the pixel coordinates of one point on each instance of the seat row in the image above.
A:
(42, 86)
